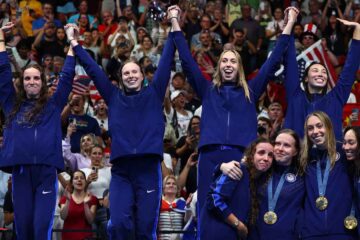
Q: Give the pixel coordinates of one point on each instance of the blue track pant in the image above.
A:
(135, 193)
(34, 198)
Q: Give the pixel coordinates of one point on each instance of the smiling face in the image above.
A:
(32, 83)
(284, 149)
(229, 67)
(263, 157)
(316, 78)
(350, 145)
(79, 181)
(316, 131)
(132, 76)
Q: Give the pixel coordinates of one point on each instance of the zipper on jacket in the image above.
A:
(228, 117)
(35, 140)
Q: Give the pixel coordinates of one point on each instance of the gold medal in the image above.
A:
(270, 217)
(350, 222)
(321, 203)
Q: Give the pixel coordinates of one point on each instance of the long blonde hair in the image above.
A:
(240, 81)
(330, 141)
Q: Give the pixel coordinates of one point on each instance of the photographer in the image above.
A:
(121, 54)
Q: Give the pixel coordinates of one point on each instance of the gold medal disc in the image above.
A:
(270, 217)
(321, 203)
(350, 222)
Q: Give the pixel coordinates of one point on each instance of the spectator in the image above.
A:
(48, 16)
(178, 81)
(273, 28)
(314, 15)
(30, 11)
(172, 211)
(121, 55)
(246, 49)
(192, 101)
(206, 24)
(80, 160)
(21, 56)
(84, 124)
(232, 11)
(77, 208)
(83, 9)
(176, 114)
(276, 116)
(192, 24)
(122, 30)
(101, 114)
(98, 177)
(160, 32)
(88, 44)
(46, 42)
(64, 9)
(146, 48)
(254, 32)
(220, 27)
(264, 127)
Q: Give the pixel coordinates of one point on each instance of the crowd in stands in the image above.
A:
(114, 31)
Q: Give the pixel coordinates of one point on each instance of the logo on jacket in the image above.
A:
(290, 177)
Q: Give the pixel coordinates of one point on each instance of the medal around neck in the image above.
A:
(270, 217)
(350, 222)
(321, 203)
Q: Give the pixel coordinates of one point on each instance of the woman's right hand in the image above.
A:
(232, 169)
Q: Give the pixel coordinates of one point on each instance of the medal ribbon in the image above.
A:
(322, 182)
(272, 199)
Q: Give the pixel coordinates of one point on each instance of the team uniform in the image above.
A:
(225, 196)
(228, 121)
(328, 223)
(32, 152)
(288, 206)
(137, 127)
(332, 103)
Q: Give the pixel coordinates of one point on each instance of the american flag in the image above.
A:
(313, 53)
(316, 53)
(81, 84)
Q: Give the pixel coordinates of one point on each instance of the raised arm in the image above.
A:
(99, 77)
(7, 89)
(347, 77)
(291, 70)
(162, 74)
(66, 78)
(190, 67)
(268, 69)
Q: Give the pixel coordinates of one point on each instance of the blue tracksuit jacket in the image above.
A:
(225, 196)
(39, 143)
(136, 121)
(332, 103)
(327, 224)
(287, 208)
(228, 117)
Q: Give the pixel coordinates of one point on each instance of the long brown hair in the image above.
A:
(249, 157)
(330, 141)
(240, 81)
(31, 115)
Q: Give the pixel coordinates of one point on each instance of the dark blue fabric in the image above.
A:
(39, 142)
(330, 222)
(299, 106)
(225, 196)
